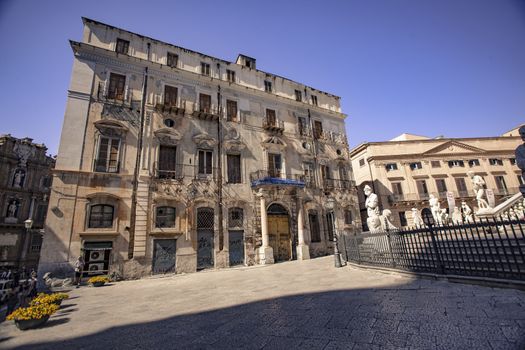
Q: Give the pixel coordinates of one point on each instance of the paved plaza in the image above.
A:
(294, 305)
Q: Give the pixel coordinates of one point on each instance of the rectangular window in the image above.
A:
(170, 96)
(205, 68)
(271, 119)
(501, 184)
(403, 218)
(301, 122)
(267, 86)
(325, 172)
(416, 166)
(455, 163)
(41, 211)
(165, 217)
(107, 160)
(235, 217)
(314, 100)
(441, 185)
(101, 216)
(204, 103)
(117, 84)
(274, 165)
(422, 188)
(315, 231)
(495, 161)
(318, 129)
(172, 60)
(435, 164)
(205, 162)
(512, 161)
(234, 168)
(348, 217)
(309, 174)
(298, 95)
(391, 166)
(362, 162)
(397, 188)
(473, 163)
(230, 76)
(36, 242)
(167, 161)
(461, 186)
(231, 110)
(122, 46)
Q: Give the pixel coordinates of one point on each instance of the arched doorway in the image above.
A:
(279, 232)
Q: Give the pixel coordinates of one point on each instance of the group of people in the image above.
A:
(22, 290)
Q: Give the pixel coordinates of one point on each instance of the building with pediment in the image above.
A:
(25, 183)
(406, 170)
(175, 161)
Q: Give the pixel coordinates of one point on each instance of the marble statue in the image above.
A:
(418, 220)
(478, 185)
(372, 208)
(52, 282)
(435, 208)
(386, 224)
(520, 212)
(457, 218)
(520, 157)
(512, 214)
(11, 209)
(467, 213)
(18, 178)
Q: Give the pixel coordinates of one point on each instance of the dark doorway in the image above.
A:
(205, 219)
(164, 255)
(236, 247)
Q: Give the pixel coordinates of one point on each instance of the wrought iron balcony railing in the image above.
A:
(171, 108)
(273, 125)
(185, 171)
(107, 166)
(276, 177)
(119, 97)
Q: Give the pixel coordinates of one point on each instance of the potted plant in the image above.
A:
(98, 281)
(43, 298)
(32, 316)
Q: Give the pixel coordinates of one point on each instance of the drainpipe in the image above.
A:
(140, 136)
(219, 167)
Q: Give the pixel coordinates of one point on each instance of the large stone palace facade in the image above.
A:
(25, 183)
(405, 171)
(172, 160)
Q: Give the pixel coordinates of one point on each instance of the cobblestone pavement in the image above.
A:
(303, 305)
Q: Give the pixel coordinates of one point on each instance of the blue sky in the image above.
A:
(429, 67)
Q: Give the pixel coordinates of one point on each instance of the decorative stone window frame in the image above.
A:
(225, 109)
(105, 199)
(160, 98)
(107, 76)
(180, 209)
(114, 130)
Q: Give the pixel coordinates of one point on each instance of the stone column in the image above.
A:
(265, 251)
(303, 252)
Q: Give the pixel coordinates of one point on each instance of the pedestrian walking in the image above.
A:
(79, 269)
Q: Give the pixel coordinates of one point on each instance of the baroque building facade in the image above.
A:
(172, 160)
(25, 183)
(407, 170)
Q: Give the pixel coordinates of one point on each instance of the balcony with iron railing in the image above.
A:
(206, 112)
(180, 172)
(117, 97)
(336, 184)
(178, 108)
(273, 125)
(276, 178)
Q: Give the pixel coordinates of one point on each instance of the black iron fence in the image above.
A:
(492, 248)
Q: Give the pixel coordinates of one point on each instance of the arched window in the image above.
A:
(101, 216)
(235, 217)
(165, 217)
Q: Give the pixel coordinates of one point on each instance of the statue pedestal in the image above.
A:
(303, 252)
(266, 255)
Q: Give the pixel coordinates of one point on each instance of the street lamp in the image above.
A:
(330, 204)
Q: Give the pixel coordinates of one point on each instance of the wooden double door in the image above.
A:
(280, 240)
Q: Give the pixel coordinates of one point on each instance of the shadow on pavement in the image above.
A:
(399, 316)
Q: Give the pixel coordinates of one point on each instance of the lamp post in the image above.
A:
(330, 204)
(28, 224)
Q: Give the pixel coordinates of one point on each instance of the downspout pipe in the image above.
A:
(140, 140)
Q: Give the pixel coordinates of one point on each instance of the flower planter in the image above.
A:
(29, 324)
(98, 284)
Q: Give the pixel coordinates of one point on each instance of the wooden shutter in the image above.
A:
(170, 95)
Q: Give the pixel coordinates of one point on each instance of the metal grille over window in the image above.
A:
(101, 216)
(235, 217)
(165, 217)
(205, 218)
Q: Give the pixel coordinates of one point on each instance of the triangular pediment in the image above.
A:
(453, 147)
